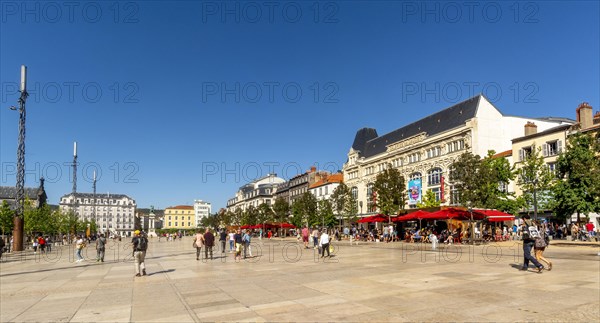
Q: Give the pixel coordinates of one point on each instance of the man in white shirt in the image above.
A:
(324, 243)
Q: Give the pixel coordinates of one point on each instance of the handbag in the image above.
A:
(194, 244)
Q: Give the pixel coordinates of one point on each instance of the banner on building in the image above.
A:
(414, 191)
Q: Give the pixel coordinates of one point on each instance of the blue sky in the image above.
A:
(176, 101)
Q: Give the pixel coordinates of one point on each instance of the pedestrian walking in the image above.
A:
(305, 236)
(237, 237)
(324, 243)
(209, 242)
(198, 243)
(100, 248)
(48, 244)
(529, 233)
(246, 241)
(140, 246)
(34, 244)
(315, 235)
(231, 241)
(222, 239)
(1, 247)
(79, 245)
(540, 245)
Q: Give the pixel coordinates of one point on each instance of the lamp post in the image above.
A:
(20, 187)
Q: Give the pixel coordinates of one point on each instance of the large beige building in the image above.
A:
(424, 150)
(179, 217)
(114, 213)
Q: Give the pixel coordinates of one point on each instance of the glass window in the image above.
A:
(434, 176)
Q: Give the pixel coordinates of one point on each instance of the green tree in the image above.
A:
(264, 214)
(281, 209)
(237, 216)
(535, 177)
(6, 218)
(578, 169)
(325, 213)
(480, 182)
(428, 200)
(390, 188)
(344, 204)
(250, 216)
(36, 220)
(304, 210)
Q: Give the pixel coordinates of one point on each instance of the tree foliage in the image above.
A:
(304, 210)
(428, 200)
(281, 210)
(479, 181)
(344, 204)
(578, 167)
(535, 176)
(390, 189)
(325, 213)
(6, 218)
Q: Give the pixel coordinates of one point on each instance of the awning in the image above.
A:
(417, 215)
(496, 216)
(456, 214)
(373, 218)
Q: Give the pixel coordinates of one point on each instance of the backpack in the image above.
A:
(142, 244)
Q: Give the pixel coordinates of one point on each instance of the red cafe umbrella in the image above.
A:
(452, 213)
(245, 226)
(417, 215)
(496, 216)
(373, 218)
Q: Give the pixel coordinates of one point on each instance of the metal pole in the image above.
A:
(535, 210)
(20, 187)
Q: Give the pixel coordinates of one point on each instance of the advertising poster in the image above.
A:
(414, 191)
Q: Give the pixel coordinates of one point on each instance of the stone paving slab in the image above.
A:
(380, 282)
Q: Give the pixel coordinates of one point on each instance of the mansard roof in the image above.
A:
(369, 144)
(98, 195)
(10, 192)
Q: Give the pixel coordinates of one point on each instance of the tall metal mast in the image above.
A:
(74, 167)
(20, 194)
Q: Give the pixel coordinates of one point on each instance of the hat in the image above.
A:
(136, 232)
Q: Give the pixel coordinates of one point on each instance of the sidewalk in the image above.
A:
(285, 282)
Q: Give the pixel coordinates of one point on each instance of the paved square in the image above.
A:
(369, 282)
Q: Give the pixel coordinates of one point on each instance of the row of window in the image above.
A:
(182, 223)
(550, 148)
(176, 217)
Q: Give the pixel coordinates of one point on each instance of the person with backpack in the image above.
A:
(100, 248)
(140, 245)
(541, 243)
(529, 234)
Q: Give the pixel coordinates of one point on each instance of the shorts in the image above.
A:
(305, 238)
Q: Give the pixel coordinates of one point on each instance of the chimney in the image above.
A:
(313, 169)
(530, 128)
(584, 115)
(597, 118)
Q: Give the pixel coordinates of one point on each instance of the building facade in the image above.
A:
(424, 150)
(114, 213)
(325, 185)
(549, 144)
(255, 193)
(179, 217)
(202, 209)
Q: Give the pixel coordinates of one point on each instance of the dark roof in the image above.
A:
(10, 192)
(98, 195)
(560, 128)
(367, 142)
